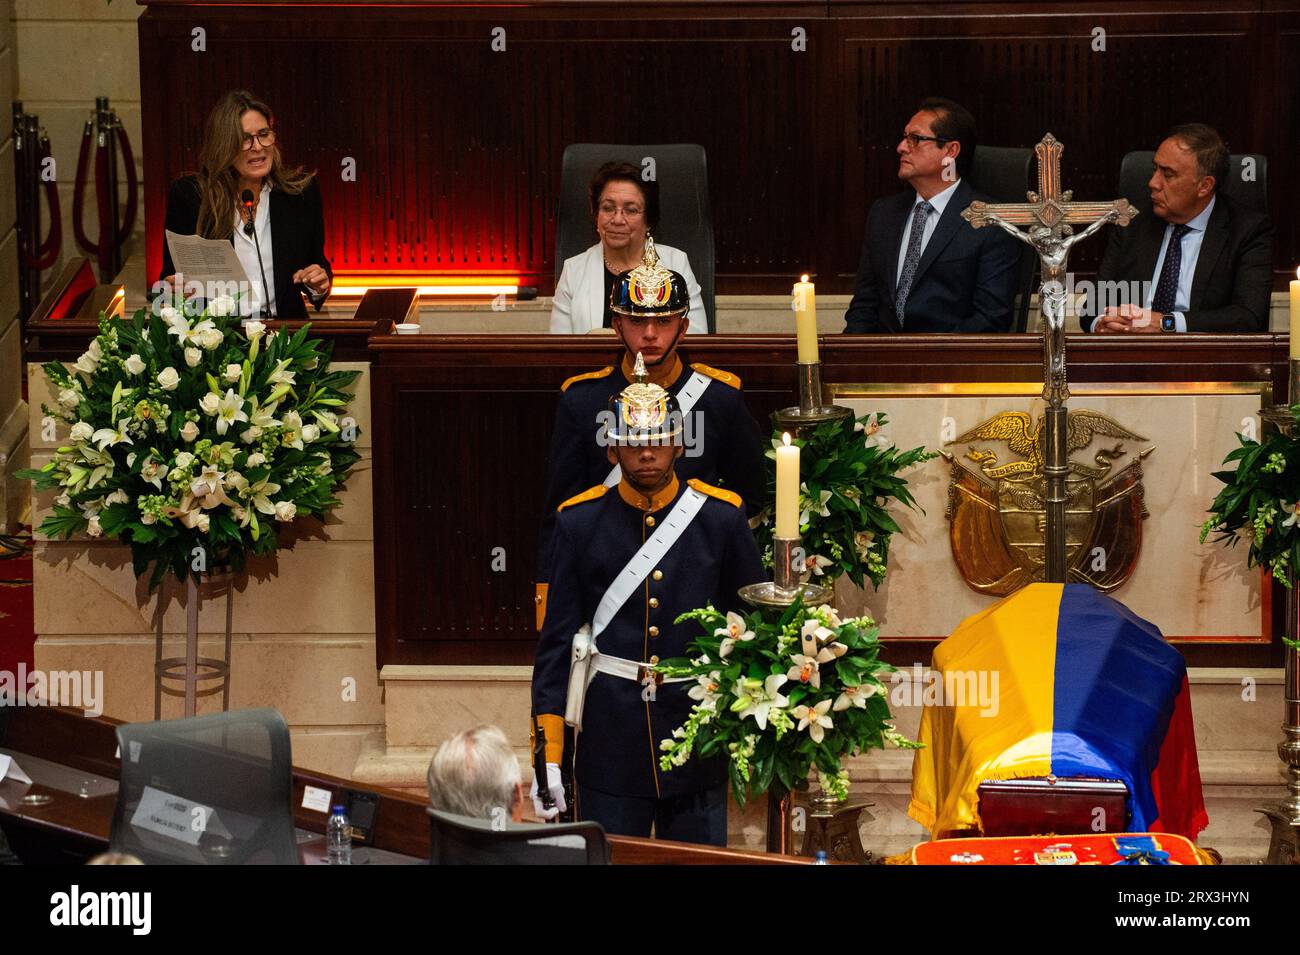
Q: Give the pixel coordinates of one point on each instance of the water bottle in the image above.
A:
(338, 838)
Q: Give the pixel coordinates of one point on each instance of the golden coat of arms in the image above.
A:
(997, 513)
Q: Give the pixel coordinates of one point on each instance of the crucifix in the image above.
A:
(1048, 219)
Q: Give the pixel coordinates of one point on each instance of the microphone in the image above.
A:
(249, 229)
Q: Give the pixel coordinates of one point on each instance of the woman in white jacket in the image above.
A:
(625, 208)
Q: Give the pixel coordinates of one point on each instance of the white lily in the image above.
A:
(105, 437)
(1295, 513)
(855, 696)
(292, 436)
(185, 333)
(259, 495)
(814, 563)
(153, 472)
(814, 719)
(262, 416)
(811, 507)
(230, 411)
(733, 631)
(757, 698)
(280, 375)
(706, 686)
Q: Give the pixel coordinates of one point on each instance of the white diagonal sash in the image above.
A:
(634, 572)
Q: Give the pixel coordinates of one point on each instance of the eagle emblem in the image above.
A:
(997, 511)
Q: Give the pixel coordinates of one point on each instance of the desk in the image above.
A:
(62, 751)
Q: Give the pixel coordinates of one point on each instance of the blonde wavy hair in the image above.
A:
(223, 135)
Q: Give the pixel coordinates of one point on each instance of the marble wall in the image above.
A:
(1189, 590)
(303, 621)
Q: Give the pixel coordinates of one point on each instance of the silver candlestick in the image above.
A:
(787, 579)
(812, 409)
(1284, 846)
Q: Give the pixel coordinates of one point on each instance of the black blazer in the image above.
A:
(1233, 281)
(965, 282)
(297, 237)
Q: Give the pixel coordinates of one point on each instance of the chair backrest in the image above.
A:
(462, 840)
(1246, 184)
(1002, 174)
(685, 215)
(208, 790)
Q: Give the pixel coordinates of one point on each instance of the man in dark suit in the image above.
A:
(1196, 262)
(923, 268)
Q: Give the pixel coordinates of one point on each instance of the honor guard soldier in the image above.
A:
(627, 561)
(722, 443)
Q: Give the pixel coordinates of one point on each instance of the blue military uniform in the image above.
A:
(617, 753)
(731, 450)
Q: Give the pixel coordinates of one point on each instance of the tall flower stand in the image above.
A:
(1284, 845)
(832, 825)
(182, 676)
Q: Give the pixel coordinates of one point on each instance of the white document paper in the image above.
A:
(9, 770)
(172, 816)
(316, 799)
(205, 260)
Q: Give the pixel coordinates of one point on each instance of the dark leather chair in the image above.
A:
(208, 790)
(462, 840)
(685, 216)
(1002, 173)
(1135, 172)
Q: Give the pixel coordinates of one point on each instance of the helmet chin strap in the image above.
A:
(671, 349)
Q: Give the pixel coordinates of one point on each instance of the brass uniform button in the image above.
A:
(654, 601)
(658, 575)
(654, 631)
(650, 521)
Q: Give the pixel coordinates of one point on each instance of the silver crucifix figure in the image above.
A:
(1048, 217)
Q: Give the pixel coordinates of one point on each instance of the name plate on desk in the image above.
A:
(1141, 458)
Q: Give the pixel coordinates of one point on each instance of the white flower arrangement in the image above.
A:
(185, 431)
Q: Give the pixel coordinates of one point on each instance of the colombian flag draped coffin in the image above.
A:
(1085, 687)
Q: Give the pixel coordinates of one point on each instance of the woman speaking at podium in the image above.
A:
(246, 194)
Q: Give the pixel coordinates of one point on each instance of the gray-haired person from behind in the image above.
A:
(475, 773)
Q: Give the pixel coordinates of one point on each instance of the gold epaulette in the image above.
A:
(717, 374)
(591, 494)
(731, 497)
(586, 376)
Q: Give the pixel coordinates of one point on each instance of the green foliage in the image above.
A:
(192, 431)
(851, 474)
(780, 698)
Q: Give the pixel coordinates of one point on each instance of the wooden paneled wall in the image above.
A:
(457, 146)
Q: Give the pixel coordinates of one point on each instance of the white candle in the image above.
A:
(1295, 316)
(804, 303)
(787, 489)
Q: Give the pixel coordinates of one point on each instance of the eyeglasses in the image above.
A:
(630, 211)
(265, 137)
(915, 139)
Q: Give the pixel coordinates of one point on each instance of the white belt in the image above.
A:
(631, 669)
(642, 673)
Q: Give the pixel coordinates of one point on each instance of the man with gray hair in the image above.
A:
(1198, 261)
(475, 773)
